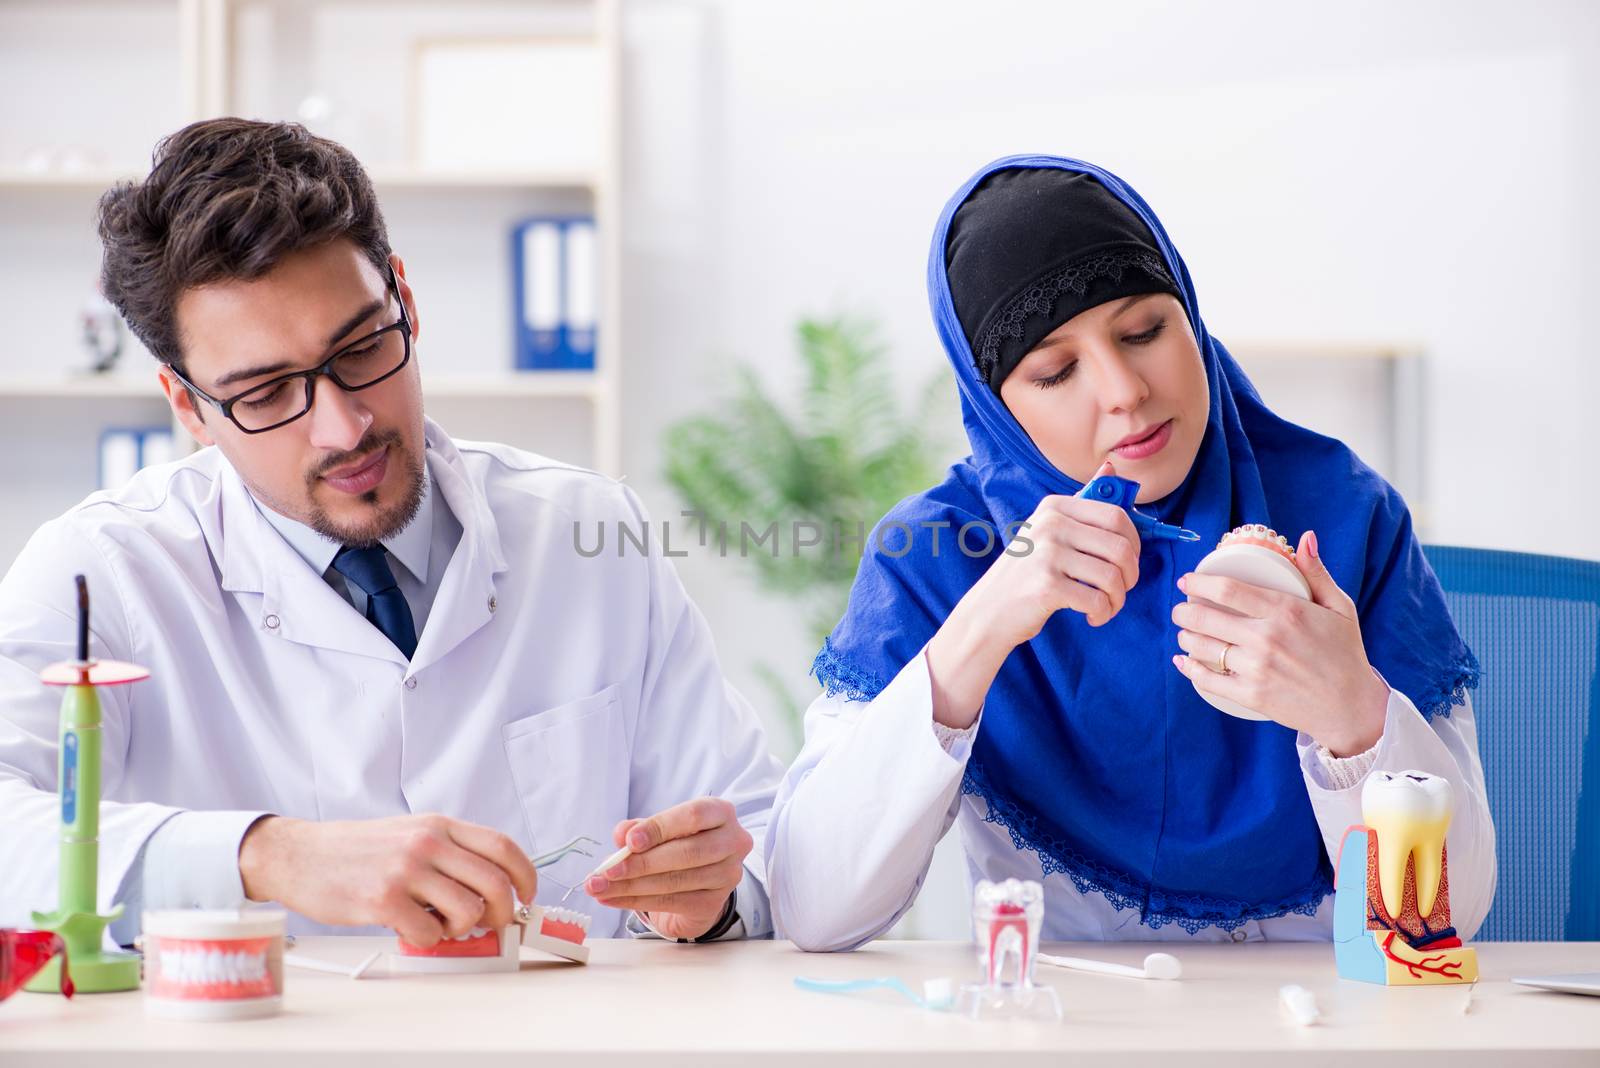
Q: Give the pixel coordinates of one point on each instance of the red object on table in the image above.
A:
(23, 953)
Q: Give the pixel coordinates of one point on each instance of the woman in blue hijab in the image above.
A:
(1017, 660)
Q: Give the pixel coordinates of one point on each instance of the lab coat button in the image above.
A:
(411, 682)
(493, 604)
(1240, 934)
(271, 622)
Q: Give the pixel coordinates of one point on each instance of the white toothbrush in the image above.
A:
(1156, 966)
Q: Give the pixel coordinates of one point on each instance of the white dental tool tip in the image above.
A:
(610, 862)
(562, 886)
(604, 866)
(1300, 1004)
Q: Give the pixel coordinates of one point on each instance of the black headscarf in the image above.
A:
(1030, 249)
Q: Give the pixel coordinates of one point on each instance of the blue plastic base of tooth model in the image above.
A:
(1355, 953)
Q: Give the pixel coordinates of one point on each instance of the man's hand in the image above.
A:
(389, 871)
(685, 863)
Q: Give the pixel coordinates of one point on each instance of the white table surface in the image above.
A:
(654, 1003)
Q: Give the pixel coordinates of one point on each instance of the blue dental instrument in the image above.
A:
(1121, 492)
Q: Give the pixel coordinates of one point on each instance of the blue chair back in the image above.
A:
(1534, 622)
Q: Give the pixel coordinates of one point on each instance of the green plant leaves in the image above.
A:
(839, 457)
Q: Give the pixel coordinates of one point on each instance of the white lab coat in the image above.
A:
(551, 694)
(873, 790)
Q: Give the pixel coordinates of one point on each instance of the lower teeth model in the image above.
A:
(478, 942)
(565, 924)
(557, 931)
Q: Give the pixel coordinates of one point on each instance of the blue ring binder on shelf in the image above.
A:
(555, 293)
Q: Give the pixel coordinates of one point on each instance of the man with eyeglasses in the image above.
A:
(384, 677)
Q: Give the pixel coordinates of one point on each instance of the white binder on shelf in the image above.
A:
(125, 451)
(555, 279)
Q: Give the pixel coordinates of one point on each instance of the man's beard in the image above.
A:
(383, 524)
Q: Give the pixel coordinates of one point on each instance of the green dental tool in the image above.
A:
(92, 968)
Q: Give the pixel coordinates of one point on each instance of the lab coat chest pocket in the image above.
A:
(570, 767)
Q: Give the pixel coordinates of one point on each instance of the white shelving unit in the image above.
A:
(452, 227)
(1390, 435)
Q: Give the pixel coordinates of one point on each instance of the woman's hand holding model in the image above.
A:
(1301, 663)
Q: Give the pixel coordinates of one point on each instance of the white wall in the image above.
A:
(1369, 171)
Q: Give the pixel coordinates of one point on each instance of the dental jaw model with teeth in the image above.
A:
(1262, 557)
(556, 931)
(1391, 909)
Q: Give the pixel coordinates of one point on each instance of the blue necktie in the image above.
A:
(386, 605)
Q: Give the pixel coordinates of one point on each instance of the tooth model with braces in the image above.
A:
(556, 931)
(1262, 557)
(1391, 908)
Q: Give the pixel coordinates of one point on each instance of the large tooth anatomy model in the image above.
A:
(1391, 909)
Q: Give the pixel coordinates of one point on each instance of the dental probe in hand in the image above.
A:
(605, 865)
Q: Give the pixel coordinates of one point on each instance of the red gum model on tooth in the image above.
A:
(564, 929)
(556, 931)
(480, 944)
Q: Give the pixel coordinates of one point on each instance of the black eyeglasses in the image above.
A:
(359, 365)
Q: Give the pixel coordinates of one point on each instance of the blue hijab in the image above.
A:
(1094, 752)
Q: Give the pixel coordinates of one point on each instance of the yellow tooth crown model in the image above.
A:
(1391, 902)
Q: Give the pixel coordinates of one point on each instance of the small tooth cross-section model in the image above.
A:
(1007, 918)
(1391, 901)
(556, 931)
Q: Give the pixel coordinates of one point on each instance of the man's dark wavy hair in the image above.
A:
(227, 199)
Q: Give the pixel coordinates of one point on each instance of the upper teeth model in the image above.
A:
(1260, 556)
(1410, 812)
